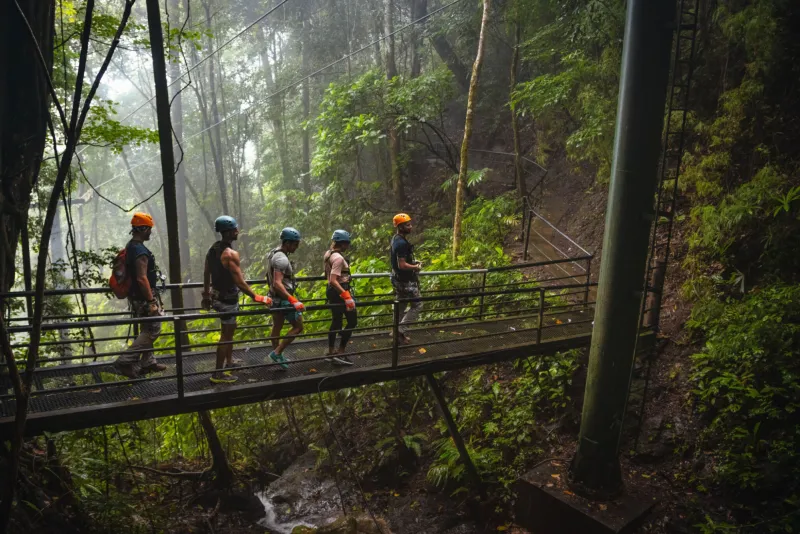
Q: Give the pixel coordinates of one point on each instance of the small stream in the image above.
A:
(270, 520)
(299, 498)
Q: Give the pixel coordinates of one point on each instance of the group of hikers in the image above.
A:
(223, 281)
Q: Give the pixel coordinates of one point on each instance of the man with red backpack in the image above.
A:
(140, 268)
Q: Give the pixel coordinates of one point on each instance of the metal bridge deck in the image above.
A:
(70, 397)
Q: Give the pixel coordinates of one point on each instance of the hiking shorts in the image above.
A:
(291, 316)
(226, 307)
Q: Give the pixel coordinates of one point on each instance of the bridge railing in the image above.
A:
(451, 324)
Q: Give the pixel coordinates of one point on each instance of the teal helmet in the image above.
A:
(340, 236)
(225, 223)
(290, 234)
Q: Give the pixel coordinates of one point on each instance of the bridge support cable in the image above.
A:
(595, 469)
(452, 429)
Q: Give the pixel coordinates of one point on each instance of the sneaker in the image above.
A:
(224, 377)
(279, 358)
(342, 360)
(153, 368)
(127, 370)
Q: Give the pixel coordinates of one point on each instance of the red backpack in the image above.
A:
(119, 281)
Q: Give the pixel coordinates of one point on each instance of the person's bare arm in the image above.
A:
(334, 282)
(404, 265)
(230, 260)
(141, 278)
(278, 287)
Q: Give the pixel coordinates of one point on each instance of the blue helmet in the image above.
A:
(342, 236)
(225, 223)
(290, 234)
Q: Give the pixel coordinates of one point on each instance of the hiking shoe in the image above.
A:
(279, 358)
(342, 360)
(127, 370)
(224, 377)
(153, 368)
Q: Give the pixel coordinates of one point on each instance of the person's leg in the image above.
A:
(228, 330)
(127, 363)
(337, 312)
(336, 326)
(149, 334)
(352, 322)
(410, 290)
(296, 330)
(224, 350)
(277, 326)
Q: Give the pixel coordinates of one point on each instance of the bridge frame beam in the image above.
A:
(595, 469)
(452, 428)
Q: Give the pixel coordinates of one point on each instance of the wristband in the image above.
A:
(345, 295)
(291, 299)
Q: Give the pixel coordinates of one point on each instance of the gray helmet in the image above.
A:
(341, 236)
(290, 234)
(225, 223)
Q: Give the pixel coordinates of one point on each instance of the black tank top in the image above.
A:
(221, 278)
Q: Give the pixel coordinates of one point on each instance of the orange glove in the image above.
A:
(263, 299)
(349, 303)
(296, 303)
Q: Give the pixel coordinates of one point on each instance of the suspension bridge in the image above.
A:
(470, 318)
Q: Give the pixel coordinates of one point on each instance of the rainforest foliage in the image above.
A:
(325, 115)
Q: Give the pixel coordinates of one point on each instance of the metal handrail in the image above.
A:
(257, 282)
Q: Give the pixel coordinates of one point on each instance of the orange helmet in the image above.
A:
(142, 219)
(401, 218)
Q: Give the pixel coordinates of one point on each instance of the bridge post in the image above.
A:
(483, 290)
(395, 332)
(527, 235)
(541, 316)
(588, 281)
(177, 327)
(595, 469)
(452, 428)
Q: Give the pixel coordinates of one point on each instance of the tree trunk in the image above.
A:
(519, 177)
(448, 55)
(377, 45)
(274, 112)
(215, 139)
(165, 145)
(24, 110)
(180, 174)
(392, 134)
(462, 172)
(151, 208)
(219, 460)
(306, 97)
(72, 129)
(419, 8)
(209, 218)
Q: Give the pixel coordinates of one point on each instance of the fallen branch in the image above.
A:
(191, 475)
